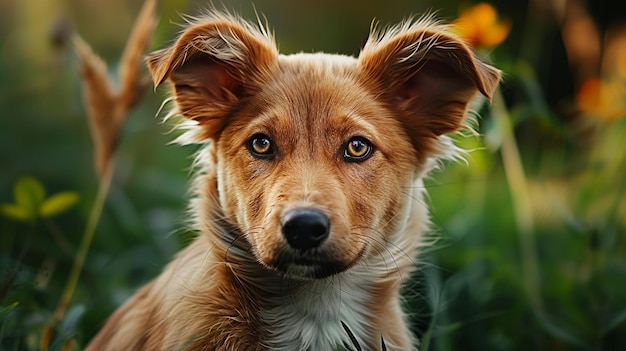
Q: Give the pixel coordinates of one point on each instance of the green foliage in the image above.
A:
(31, 202)
(7, 309)
(58, 203)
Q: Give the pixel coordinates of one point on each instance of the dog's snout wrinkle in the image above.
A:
(305, 228)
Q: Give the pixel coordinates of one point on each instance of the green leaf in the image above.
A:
(4, 310)
(29, 193)
(58, 203)
(617, 320)
(72, 317)
(16, 212)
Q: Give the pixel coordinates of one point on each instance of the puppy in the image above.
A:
(309, 201)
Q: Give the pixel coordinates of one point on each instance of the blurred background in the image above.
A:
(529, 251)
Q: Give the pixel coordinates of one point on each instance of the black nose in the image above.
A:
(305, 228)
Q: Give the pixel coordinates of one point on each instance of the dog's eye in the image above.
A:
(358, 149)
(260, 146)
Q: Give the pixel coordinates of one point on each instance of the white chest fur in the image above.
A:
(310, 317)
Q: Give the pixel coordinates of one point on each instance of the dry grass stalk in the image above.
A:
(107, 106)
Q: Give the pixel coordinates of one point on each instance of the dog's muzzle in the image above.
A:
(305, 255)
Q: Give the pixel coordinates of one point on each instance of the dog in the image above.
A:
(309, 198)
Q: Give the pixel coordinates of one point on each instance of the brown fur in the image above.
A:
(237, 287)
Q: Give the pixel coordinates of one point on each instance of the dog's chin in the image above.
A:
(305, 272)
(294, 266)
(309, 272)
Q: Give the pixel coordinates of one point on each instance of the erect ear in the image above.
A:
(428, 74)
(216, 61)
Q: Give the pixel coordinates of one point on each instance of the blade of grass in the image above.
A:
(524, 217)
(351, 336)
(522, 205)
(81, 255)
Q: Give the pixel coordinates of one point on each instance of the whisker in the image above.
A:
(386, 250)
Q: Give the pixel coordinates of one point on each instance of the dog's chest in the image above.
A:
(310, 317)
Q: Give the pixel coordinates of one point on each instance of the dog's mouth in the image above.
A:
(310, 264)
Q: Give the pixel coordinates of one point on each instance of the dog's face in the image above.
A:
(314, 153)
(313, 167)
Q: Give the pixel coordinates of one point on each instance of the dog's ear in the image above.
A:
(427, 73)
(214, 63)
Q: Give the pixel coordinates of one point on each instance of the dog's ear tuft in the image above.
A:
(216, 61)
(426, 72)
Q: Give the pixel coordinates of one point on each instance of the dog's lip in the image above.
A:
(316, 264)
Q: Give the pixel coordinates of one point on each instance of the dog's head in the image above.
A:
(314, 153)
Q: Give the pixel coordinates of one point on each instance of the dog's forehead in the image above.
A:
(316, 67)
(315, 87)
(320, 59)
(316, 97)
(312, 99)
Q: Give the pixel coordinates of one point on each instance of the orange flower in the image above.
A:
(480, 27)
(602, 98)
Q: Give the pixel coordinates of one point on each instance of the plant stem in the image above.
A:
(79, 261)
(522, 204)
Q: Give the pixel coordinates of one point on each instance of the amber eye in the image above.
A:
(358, 149)
(260, 146)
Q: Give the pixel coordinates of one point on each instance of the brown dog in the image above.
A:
(309, 203)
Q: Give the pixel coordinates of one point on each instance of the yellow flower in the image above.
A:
(480, 27)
